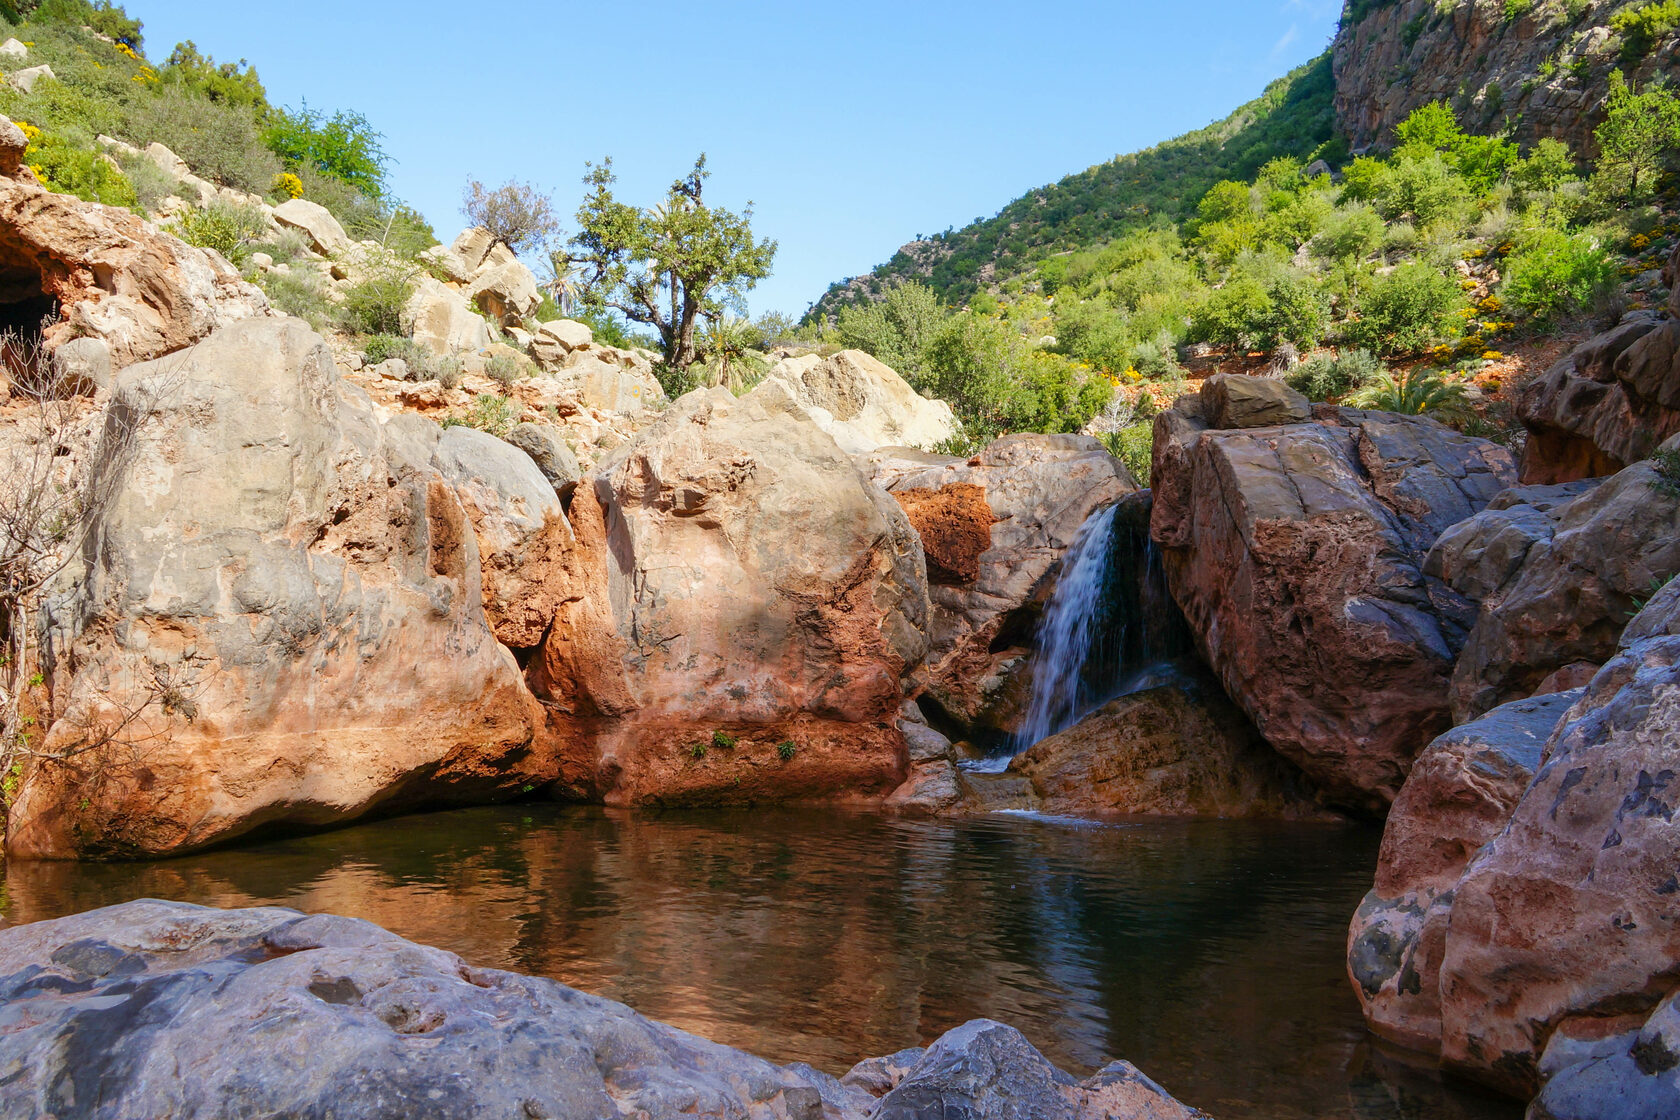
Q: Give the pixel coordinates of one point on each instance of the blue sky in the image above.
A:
(851, 127)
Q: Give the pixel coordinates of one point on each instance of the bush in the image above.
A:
(504, 369)
(1413, 394)
(299, 293)
(1641, 27)
(1250, 314)
(786, 749)
(723, 740)
(1409, 310)
(489, 413)
(228, 229)
(343, 146)
(219, 140)
(516, 214)
(228, 82)
(897, 328)
(1328, 377)
(1555, 273)
(378, 304)
(67, 169)
(152, 184)
(1132, 445)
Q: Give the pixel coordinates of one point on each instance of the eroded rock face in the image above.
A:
(1036, 490)
(107, 276)
(758, 586)
(1296, 554)
(283, 1014)
(280, 619)
(862, 403)
(1459, 795)
(1571, 912)
(1572, 594)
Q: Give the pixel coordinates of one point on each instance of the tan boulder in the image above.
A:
(315, 222)
(998, 524)
(463, 256)
(1296, 555)
(506, 291)
(557, 339)
(281, 622)
(27, 80)
(614, 388)
(759, 587)
(110, 276)
(862, 403)
(443, 321)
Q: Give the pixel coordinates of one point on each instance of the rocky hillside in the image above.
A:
(1533, 68)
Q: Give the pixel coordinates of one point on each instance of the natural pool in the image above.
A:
(1209, 953)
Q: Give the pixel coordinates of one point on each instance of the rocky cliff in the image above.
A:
(1538, 68)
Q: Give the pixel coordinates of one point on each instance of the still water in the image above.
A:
(1209, 953)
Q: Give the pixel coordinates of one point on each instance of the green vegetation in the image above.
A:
(1666, 462)
(489, 413)
(1638, 136)
(1412, 394)
(786, 749)
(723, 740)
(1642, 26)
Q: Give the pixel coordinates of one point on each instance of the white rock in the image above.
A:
(315, 222)
(26, 79)
(11, 48)
(505, 291)
(860, 402)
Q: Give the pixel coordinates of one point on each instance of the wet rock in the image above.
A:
(256, 637)
(1459, 795)
(1612, 548)
(1008, 515)
(862, 403)
(1296, 554)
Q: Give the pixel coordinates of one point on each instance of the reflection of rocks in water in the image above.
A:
(1208, 953)
(1387, 1083)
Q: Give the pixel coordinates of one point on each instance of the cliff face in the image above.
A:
(1540, 72)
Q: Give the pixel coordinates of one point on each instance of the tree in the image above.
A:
(516, 214)
(1407, 310)
(1638, 134)
(669, 265)
(344, 146)
(897, 329)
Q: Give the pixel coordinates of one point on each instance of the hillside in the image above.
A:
(1527, 69)
(1293, 117)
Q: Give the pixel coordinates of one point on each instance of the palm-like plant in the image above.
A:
(563, 281)
(1412, 393)
(727, 348)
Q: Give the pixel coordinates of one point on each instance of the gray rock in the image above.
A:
(1231, 400)
(552, 454)
(82, 366)
(27, 79)
(279, 1014)
(1639, 1079)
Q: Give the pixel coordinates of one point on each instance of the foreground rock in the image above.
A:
(280, 620)
(994, 528)
(107, 275)
(280, 1014)
(761, 593)
(1611, 401)
(1550, 956)
(1296, 553)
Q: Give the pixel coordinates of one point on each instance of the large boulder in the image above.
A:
(1459, 795)
(761, 593)
(861, 402)
(504, 289)
(276, 1013)
(315, 222)
(1233, 400)
(1180, 749)
(1611, 401)
(106, 274)
(994, 527)
(279, 620)
(1296, 554)
(1572, 594)
(614, 387)
(441, 319)
(557, 339)
(1567, 922)
(1481, 555)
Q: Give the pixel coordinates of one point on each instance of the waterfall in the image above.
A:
(1110, 627)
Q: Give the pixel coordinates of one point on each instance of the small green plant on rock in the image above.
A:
(723, 740)
(225, 228)
(492, 414)
(1666, 462)
(786, 749)
(697, 751)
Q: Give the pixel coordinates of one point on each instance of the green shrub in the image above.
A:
(233, 83)
(490, 413)
(218, 139)
(896, 329)
(228, 229)
(1329, 377)
(723, 740)
(1250, 314)
(384, 347)
(343, 146)
(1641, 27)
(697, 751)
(1415, 393)
(1408, 310)
(379, 303)
(504, 369)
(68, 169)
(299, 293)
(152, 184)
(786, 749)
(1554, 273)
(1353, 232)
(1133, 446)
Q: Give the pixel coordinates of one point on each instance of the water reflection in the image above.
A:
(1209, 953)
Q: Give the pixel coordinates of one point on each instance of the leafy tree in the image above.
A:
(897, 329)
(344, 146)
(1548, 166)
(1263, 314)
(970, 361)
(1353, 232)
(1430, 128)
(669, 265)
(516, 214)
(235, 83)
(1638, 134)
(1408, 310)
(1555, 273)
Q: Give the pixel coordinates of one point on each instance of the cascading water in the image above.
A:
(1109, 629)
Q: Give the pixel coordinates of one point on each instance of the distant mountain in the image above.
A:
(1293, 117)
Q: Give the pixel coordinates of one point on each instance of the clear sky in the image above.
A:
(852, 127)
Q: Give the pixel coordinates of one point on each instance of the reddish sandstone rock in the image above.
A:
(1038, 489)
(756, 585)
(1295, 553)
(108, 276)
(280, 621)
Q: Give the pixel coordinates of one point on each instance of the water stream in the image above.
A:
(1210, 953)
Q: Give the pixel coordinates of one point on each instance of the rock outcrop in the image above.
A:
(995, 527)
(1296, 553)
(279, 619)
(1610, 401)
(1539, 69)
(96, 272)
(283, 1014)
(761, 593)
(1572, 594)
(860, 402)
